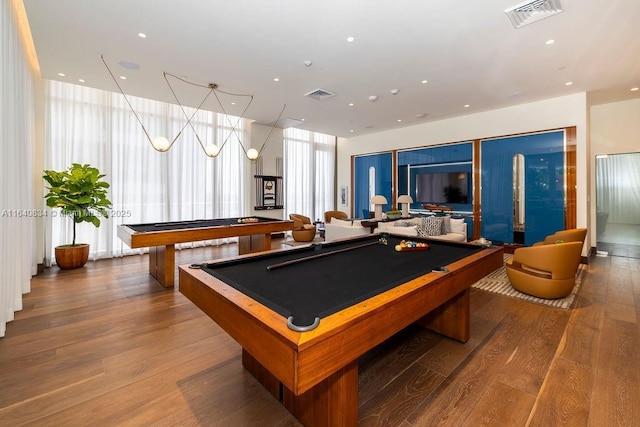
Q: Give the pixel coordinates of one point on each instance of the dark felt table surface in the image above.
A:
(328, 284)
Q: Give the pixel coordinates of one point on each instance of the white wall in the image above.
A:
(615, 128)
(553, 113)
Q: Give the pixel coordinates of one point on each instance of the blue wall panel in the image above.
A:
(441, 154)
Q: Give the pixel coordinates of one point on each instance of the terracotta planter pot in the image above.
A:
(70, 257)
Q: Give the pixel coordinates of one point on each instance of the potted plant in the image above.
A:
(81, 194)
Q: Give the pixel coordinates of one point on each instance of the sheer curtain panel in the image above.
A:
(309, 173)
(17, 213)
(85, 125)
(618, 187)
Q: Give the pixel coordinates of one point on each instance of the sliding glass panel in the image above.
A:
(618, 203)
(544, 187)
(373, 174)
(544, 196)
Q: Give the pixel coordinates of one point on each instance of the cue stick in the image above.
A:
(309, 258)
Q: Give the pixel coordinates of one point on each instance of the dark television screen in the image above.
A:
(446, 187)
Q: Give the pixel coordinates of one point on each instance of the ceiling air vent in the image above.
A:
(319, 94)
(532, 11)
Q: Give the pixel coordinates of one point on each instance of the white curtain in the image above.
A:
(17, 123)
(309, 173)
(618, 187)
(85, 125)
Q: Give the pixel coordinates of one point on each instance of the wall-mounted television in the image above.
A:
(443, 187)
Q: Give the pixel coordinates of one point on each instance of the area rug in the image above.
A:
(498, 282)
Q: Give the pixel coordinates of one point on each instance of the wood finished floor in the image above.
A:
(106, 345)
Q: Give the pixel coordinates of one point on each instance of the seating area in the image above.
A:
(432, 227)
(548, 269)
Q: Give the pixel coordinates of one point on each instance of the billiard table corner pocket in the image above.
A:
(306, 328)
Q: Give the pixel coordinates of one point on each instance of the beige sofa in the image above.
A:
(455, 231)
(341, 229)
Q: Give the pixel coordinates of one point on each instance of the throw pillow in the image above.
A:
(416, 221)
(457, 225)
(341, 222)
(431, 226)
(446, 224)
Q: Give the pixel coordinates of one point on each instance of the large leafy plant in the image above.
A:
(80, 192)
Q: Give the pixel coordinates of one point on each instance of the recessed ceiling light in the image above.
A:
(233, 103)
(421, 116)
(142, 35)
(550, 41)
(123, 77)
(467, 106)
(61, 74)
(303, 120)
(276, 80)
(568, 83)
(634, 89)
(394, 91)
(399, 120)
(81, 80)
(351, 104)
(350, 39)
(424, 82)
(350, 130)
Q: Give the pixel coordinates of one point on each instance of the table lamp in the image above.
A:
(378, 201)
(404, 201)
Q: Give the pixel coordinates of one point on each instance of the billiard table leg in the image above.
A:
(452, 318)
(332, 402)
(162, 263)
(254, 243)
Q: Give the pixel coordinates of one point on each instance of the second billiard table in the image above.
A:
(162, 237)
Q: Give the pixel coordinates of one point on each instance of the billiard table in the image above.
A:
(162, 237)
(303, 316)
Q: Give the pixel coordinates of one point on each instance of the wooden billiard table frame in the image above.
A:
(253, 237)
(315, 373)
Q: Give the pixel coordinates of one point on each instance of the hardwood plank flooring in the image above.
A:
(108, 346)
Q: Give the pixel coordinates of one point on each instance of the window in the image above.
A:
(92, 126)
(309, 172)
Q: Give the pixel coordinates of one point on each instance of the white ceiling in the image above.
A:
(467, 50)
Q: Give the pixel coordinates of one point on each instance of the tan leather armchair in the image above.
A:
(303, 229)
(571, 235)
(334, 214)
(545, 271)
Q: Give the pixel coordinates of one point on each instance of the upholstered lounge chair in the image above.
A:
(303, 230)
(564, 236)
(334, 214)
(545, 271)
